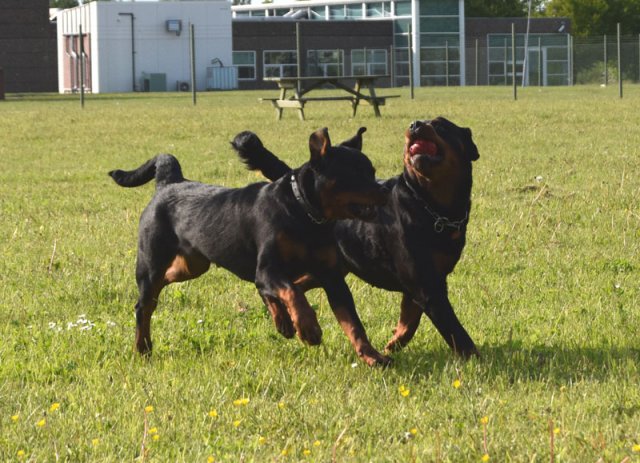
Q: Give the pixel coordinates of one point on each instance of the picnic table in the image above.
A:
(302, 86)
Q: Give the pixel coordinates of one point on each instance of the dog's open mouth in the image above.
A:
(421, 149)
(363, 211)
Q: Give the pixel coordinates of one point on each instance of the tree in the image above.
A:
(500, 8)
(63, 3)
(598, 17)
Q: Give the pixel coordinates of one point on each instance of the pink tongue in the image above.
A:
(423, 147)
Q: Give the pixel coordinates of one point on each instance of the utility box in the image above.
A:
(154, 82)
(222, 78)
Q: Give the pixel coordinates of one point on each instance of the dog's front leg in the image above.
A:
(410, 315)
(341, 302)
(440, 311)
(277, 291)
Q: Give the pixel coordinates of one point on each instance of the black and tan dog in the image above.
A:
(271, 234)
(417, 237)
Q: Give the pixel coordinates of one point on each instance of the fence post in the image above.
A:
(506, 63)
(476, 62)
(192, 50)
(619, 64)
(606, 68)
(539, 62)
(513, 60)
(410, 44)
(446, 62)
(81, 67)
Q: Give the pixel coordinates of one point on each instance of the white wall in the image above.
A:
(156, 49)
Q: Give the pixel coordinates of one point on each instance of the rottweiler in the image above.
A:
(417, 237)
(269, 233)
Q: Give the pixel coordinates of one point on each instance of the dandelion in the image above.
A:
(485, 457)
(213, 413)
(636, 448)
(413, 431)
(456, 384)
(236, 423)
(156, 437)
(262, 440)
(148, 409)
(284, 452)
(54, 406)
(211, 459)
(317, 443)
(21, 454)
(95, 442)
(281, 405)
(404, 391)
(306, 452)
(41, 423)
(556, 431)
(484, 420)
(153, 430)
(241, 402)
(15, 418)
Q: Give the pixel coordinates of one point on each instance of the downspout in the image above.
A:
(133, 49)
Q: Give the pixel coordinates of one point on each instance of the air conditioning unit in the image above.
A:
(182, 86)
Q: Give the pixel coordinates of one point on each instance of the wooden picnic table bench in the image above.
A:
(301, 86)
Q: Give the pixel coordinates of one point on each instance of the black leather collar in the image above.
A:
(315, 215)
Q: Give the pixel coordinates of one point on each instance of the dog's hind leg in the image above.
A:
(410, 314)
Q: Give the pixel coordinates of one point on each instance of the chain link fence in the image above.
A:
(552, 59)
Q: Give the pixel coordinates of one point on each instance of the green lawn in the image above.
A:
(548, 287)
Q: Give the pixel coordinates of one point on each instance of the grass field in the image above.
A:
(548, 287)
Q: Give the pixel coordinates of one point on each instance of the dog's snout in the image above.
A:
(415, 125)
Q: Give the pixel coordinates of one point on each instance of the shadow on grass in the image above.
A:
(558, 364)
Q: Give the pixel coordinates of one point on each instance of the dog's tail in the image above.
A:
(256, 157)
(165, 168)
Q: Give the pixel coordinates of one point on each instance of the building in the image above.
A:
(27, 46)
(142, 46)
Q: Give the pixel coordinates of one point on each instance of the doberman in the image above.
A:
(417, 237)
(268, 233)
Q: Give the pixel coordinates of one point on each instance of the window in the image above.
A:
(280, 63)
(245, 62)
(369, 62)
(337, 12)
(317, 12)
(325, 62)
(354, 11)
(376, 10)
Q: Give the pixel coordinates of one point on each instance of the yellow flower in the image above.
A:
(153, 430)
(156, 437)
(148, 409)
(413, 431)
(41, 423)
(15, 418)
(280, 405)
(21, 454)
(211, 459)
(404, 391)
(240, 402)
(95, 442)
(236, 423)
(636, 448)
(262, 440)
(556, 430)
(484, 419)
(456, 384)
(54, 406)
(213, 413)
(284, 452)
(485, 457)
(306, 452)
(317, 443)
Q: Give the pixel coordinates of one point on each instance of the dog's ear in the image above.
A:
(469, 146)
(355, 142)
(319, 143)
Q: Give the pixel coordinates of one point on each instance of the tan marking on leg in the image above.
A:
(410, 314)
(302, 315)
